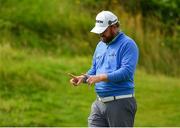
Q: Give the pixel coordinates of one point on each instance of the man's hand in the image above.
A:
(97, 78)
(76, 80)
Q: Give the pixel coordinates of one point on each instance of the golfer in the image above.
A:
(112, 72)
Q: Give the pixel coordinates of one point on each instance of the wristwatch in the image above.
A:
(85, 78)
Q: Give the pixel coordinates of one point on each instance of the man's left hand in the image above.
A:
(96, 78)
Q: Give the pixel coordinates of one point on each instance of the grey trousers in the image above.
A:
(117, 113)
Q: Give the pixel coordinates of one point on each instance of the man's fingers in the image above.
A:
(78, 82)
(73, 82)
(89, 81)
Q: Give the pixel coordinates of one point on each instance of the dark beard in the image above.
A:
(107, 40)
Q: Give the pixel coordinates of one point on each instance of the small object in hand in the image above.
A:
(71, 75)
(75, 80)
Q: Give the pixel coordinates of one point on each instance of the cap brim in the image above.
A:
(98, 30)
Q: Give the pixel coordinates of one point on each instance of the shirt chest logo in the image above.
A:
(112, 54)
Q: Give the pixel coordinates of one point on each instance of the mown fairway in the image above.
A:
(35, 91)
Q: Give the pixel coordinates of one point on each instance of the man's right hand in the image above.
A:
(76, 80)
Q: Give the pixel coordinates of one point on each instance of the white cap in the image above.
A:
(103, 20)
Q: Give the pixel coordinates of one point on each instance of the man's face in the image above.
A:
(107, 35)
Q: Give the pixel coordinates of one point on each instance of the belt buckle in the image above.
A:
(99, 99)
(104, 99)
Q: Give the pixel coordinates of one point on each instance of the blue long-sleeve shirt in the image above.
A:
(118, 60)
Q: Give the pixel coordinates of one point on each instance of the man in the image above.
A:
(112, 72)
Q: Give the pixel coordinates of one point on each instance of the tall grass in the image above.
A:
(62, 27)
(53, 26)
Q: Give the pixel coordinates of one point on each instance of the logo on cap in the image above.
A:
(99, 21)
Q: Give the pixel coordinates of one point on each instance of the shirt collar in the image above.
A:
(114, 39)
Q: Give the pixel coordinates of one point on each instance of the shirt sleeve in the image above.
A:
(92, 70)
(128, 64)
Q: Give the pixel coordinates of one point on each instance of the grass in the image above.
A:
(35, 91)
(157, 98)
(63, 27)
(51, 26)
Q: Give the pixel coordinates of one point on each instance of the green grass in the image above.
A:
(52, 26)
(63, 27)
(157, 98)
(35, 91)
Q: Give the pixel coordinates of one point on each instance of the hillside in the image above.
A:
(58, 27)
(35, 91)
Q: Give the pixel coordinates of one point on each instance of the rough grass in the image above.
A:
(63, 27)
(35, 91)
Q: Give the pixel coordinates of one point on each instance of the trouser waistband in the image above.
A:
(112, 98)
